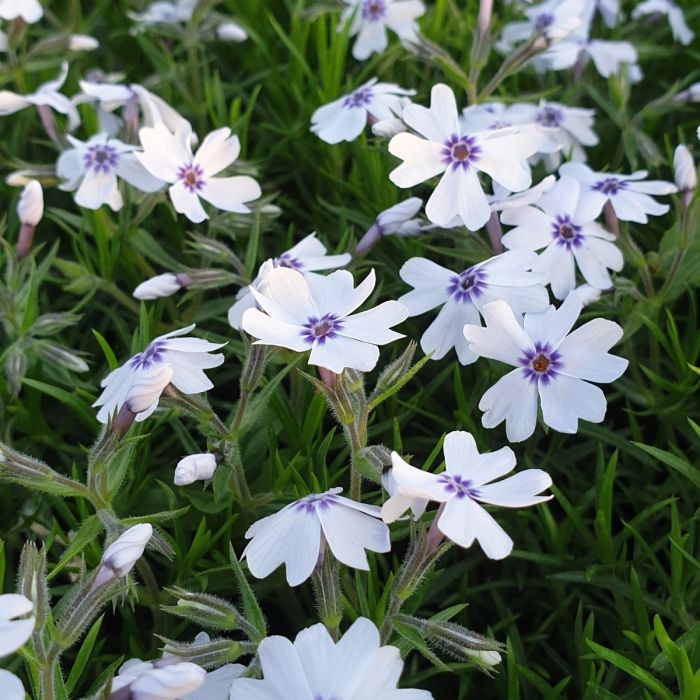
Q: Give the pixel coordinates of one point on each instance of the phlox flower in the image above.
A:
(320, 318)
(679, 28)
(458, 156)
(462, 295)
(307, 256)
(297, 535)
(345, 118)
(553, 367)
(569, 239)
(608, 9)
(398, 220)
(91, 169)
(463, 486)
(46, 95)
(163, 12)
(314, 667)
(502, 199)
(187, 357)
(162, 680)
(28, 10)
(627, 194)
(372, 18)
(169, 157)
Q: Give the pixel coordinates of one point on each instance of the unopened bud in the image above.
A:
(205, 652)
(395, 371)
(120, 557)
(392, 219)
(32, 581)
(206, 610)
(30, 207)
(685, 174)
(198, 467)
(57, 355)
(253, 368)
(230, 31)
(386, 128)
(82, 42)
(50, 324)
(16, 622)
(372, 236)
(159, 286)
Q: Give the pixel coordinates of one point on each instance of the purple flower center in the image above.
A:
(286, 260)
(566, 233)
(543, 22)
(468, 285)
(101, 158)
(191, 177)
(373, 10)
(319, 329)
(454, 484)
(540, 364)
(610, 185)
(152, 355)
(357, 99)
(309, 504)
(460, 152)
(550, 117)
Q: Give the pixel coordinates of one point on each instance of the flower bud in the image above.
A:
(198, 467)
(32, 581)
(50, 324)
(386, 128)
(82, 42)
(30, 207)
(147, 389)
(16, 622)
(204, 609)
(57, 355)
(120, 557)
(685, 174)
(395, 371)
(169, 682)
(159, 286)
(230, 31)
(392, 219)
(205, 652)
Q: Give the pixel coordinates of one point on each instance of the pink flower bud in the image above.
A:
(30, 207)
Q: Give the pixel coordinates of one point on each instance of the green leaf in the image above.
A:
(251, 608)
(83, 655)
(85, 536)
(671, 460)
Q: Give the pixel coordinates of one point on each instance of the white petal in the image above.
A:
(11, 102)
(517, 491)
(553, 325)
(459, 194)
(129, 168)
(557, 264)
(338, 353)
(282, 670)
(287, 297)
(163, 152)
(566, 399)
(438, 123)
(271, 331)
(373, 326)
(446, 331)
(96, 189)
(459, 448)
(242, 304)
(229, 193)
(371, 39)
(11, 687)
(422, 159)
(337, 294)
(513, 399)
(430, 281)
(218, 150)
(339, 123)
(594, 257)
(186, 202)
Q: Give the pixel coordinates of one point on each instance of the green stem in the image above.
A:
(326, 583)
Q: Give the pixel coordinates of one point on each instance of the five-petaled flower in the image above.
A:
(458, 156)
(320, 318)
(553, 367)
(187, 357)
(462, 295)
(169, 157)
(297, 536)
(568, 237)
(462, 487)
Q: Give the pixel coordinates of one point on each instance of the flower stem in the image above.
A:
(326, 583)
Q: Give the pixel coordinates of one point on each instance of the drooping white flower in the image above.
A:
(11, 687)
(91, 168)
(398, 220)
(164, 285)
(553, 367)
(46, 95)
(307, 256)
(119, 558)
(685, 174)
(28, 10)
(568, 236)
(30, 206)
(163, 12)
(230, 31)
(345, 118)
(315, 667)
(446, 150)
(628, 194)
(198, 467)
(679, 28)
(320, 319)
(372, 18)
(463, 486)
(296, 536)
(147, 387)
(160, 680)
(386, 128)
(187, 357)
(16, 622)
(169, 157)
(462, 295)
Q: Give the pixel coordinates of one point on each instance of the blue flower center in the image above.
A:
(460, 152)
(468, 285)
(101, 159)
(460, 488)
(320, 329)
(610, 186)
(191, 176)
(566, 233)
(540, 364)
(373, 10)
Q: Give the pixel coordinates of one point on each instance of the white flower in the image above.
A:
(490, 658)
(315, 667)
(569, 238)
(146, 388)
(296, 535)
(386, 128)
(169, 157)
(680, 30)
(462, 295)
(159, 681)
(320, 319)
(119, 558)
(199, 467)
(458, 156)
(628, 194)
(399, 218)
(307, 256)
(465, 483)
(188, 358)
(607, 56)
(371, 19)
(554, 367)
(82, 42)
(30, 206)
(92, 168)
(11, 687)
(164, 285)
(609, 10)
(29, 10)
(401, 501)
(345, 118)
(46, 95)
(502, 199)
(686, 175)
(16, 622)
(230, 31)
(162, 12)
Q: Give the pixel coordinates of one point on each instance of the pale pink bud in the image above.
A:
(199, 467)
(120, 557)
(30, 207)
(159, 286)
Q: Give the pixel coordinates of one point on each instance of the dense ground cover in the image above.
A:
(599, 598)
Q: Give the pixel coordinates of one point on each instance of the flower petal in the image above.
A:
(517, 491)
(513, 399)
(565, 400)
(229, 193)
